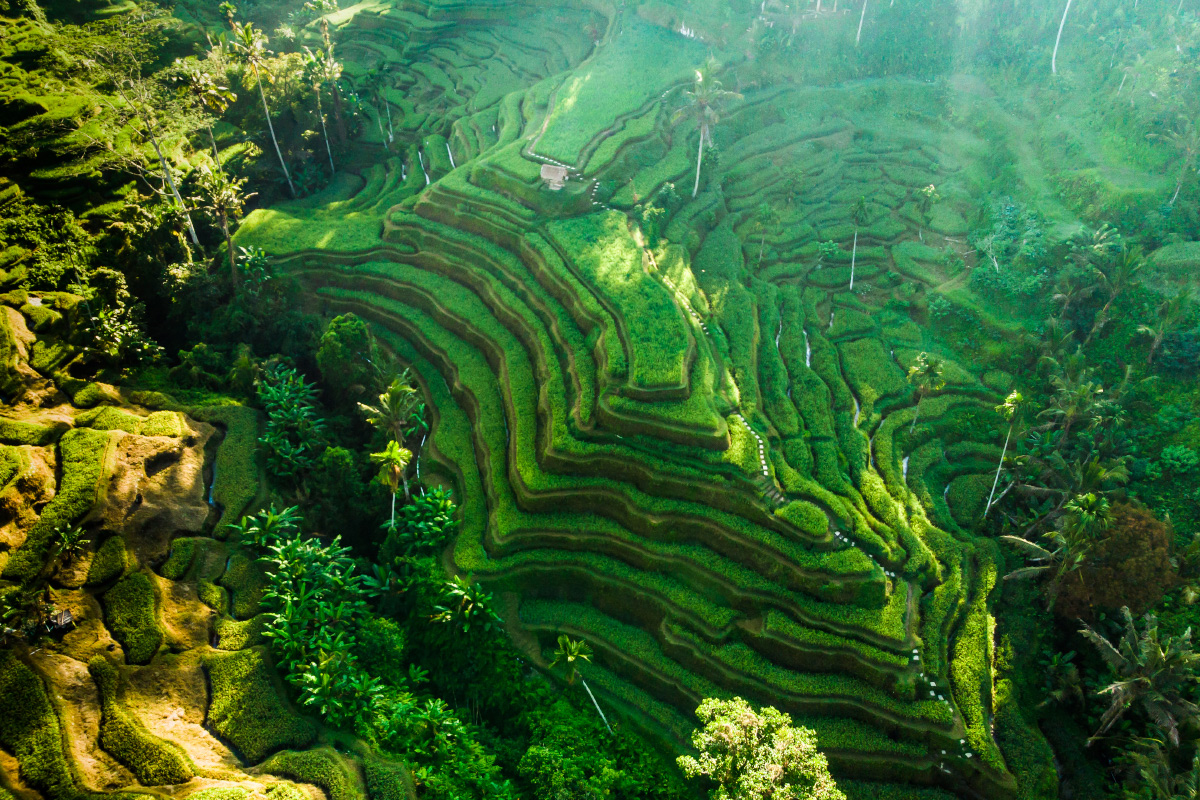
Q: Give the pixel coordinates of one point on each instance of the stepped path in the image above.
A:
(684, 439)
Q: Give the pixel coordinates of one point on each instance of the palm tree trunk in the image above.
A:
(393, 525)
(382, 136)
(1058, 39)
(912, 427)
(407, 493)
(861, 17)
(853, 258)
(279, 153)
(233, 276)
(762, 246)
(699, 161)
(999, 467)
(216, 153)
(171, 182)
(587, 688)
(388, 107)
(325, 133)
(1179, 184)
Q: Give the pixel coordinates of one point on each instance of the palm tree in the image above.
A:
(333, 70)
(397, 407)
(315, 71)
(1171, 314)
(1156, 772)
(1074, 399)
(1186, 140)
(859, 214)
(393, 463)
(703, 100)
(1152, 675)
(765, 219)
(926, 376)
(251, 45)
(568, 652)
(70, 541)
(861, 18)
(229, 11)
(207, 93)
(224, 197)
(1115, 281)
(1058, 39)
(1065, 552)
(1011, 410)
(371, 83)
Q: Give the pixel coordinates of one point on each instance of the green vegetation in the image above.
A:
(246, 709)
(131, 613)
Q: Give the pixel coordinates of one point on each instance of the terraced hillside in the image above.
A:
(687, 435)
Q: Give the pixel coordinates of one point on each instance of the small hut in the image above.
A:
(554, 176)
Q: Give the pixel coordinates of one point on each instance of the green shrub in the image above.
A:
(236, 482)
(387, 781)
(248, 709)
(322, 767)
(17, 432)
(30, 731)
(109, 562)
(153, 761)
(81, 454)
(179, 558)
(130, 612)
(806, 517)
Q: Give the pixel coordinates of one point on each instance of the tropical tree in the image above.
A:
(757, 755)
(766, 219)
(861, 18)
(1155, 776)
(1114, 281)
(1065, 552)
(70, 541)
(704, 101)
(333, 71)
(1010, 410)
(1075, 398)
(266, 528)
(859, 215)
(1153, 675)
(1058, 40)
(1185, 139)
(204, 90)
(1171, 314)
(316, 72)
(399, 411)
(926, 377)
(223, 196)
(251, 45)
(393, 464)
(372, 84)
(467, 604)
(568, 655)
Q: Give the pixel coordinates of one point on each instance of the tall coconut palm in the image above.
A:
(926, 377)
(224, 197)
(1153, 675)
(1065, 551)
(1114, 281)
(207, 93)
(1011, 410)
(1058, 40)
(315, 71)
(1186, 140)
(251, 45)
(704, 101)
(372, 84)
(333, 71)
(1171, 314)
(393, 464)
(568, 652)
(859, 215)
(397, 408)
(861, 18)
(1075, 399)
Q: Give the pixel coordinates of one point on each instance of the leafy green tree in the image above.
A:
(568, 655)
(346, 358)
(1154, 776)
(757, 755)
(1115, 280)
(1154, 676)
(766, 219)
(704, 101)
(373, 84)
(925, 375)
(251, 46)
(264, 529)
(859, 215)
(295, 432)
(224, 197)
(466, 604)
(393, 464)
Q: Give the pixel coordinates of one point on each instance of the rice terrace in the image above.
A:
(581, 399)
